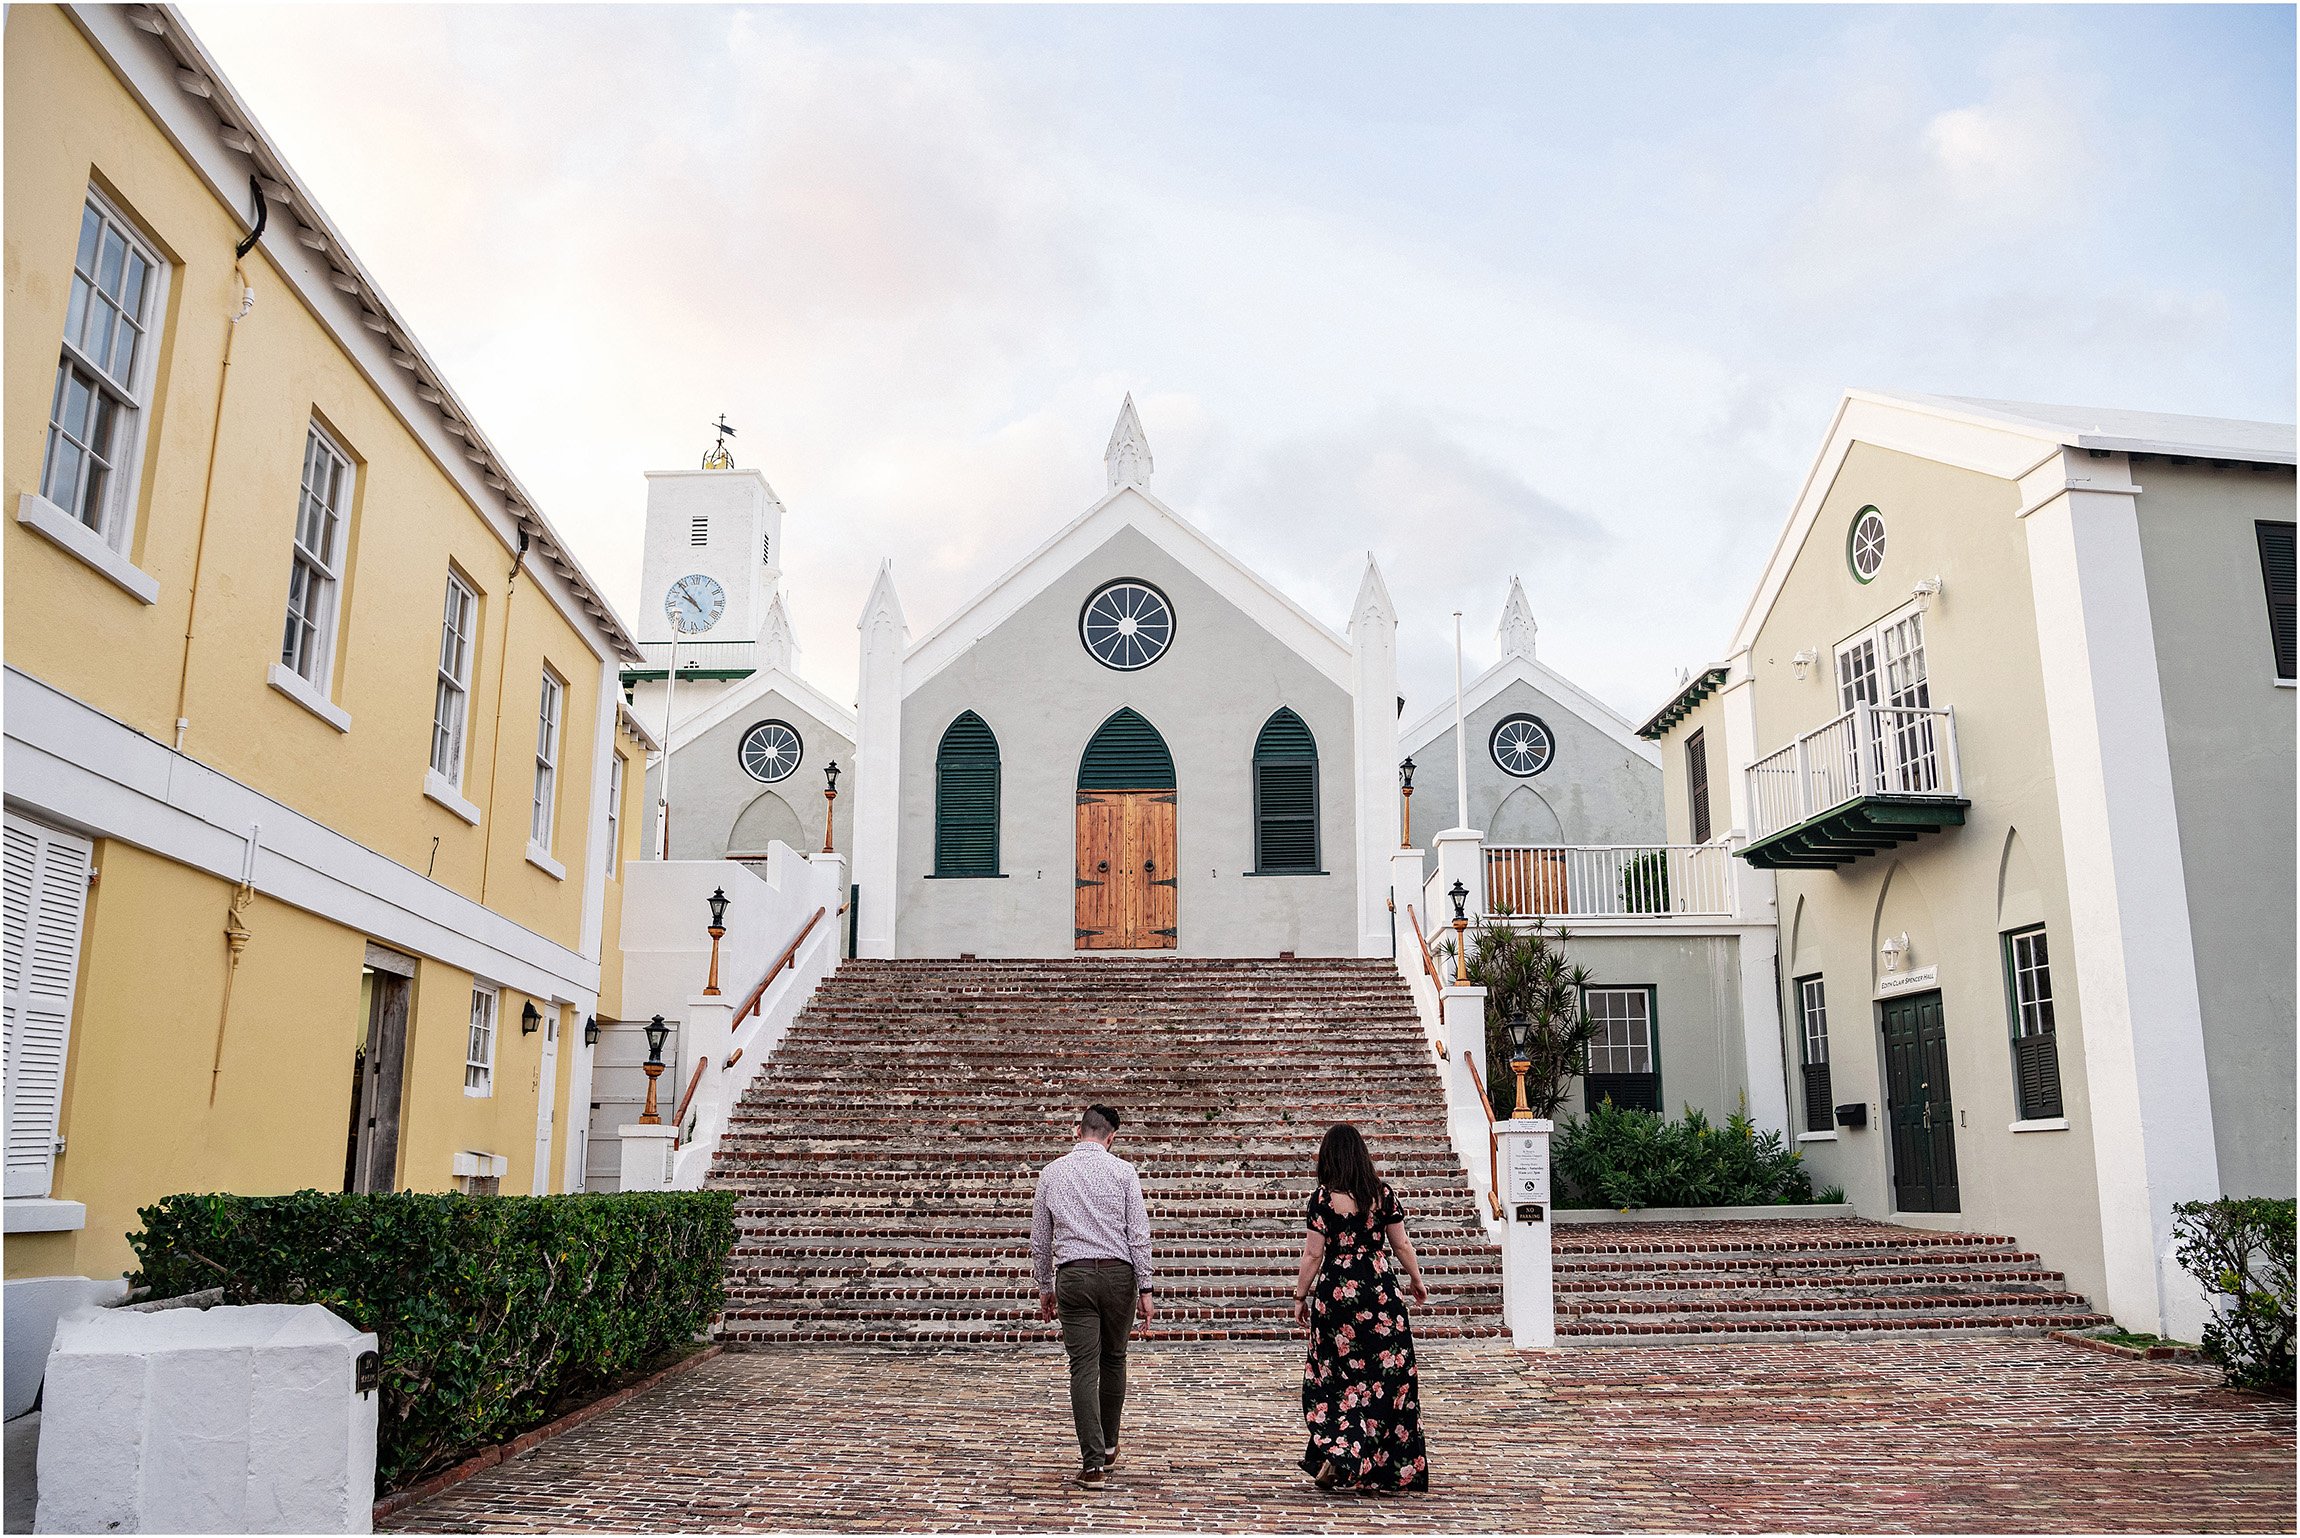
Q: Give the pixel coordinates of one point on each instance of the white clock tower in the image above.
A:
(723, 524)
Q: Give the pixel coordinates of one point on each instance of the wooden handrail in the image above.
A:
(1429, 962)
(789, 957)
(679, 1122)
(1492, 1143)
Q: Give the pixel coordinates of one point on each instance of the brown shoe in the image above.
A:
(1109, 1458)
(1090, 1478)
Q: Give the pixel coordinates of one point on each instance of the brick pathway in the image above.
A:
(1898, 1435)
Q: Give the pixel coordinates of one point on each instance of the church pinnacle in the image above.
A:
(1128, 457)
(1515, 632)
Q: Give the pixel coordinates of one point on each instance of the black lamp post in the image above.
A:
(1406, 789)
(718, 927)
(830, 799)
(530, 1018)
(1520, 1059)
(590, 1030)
(1460, 896)
(657, 1034)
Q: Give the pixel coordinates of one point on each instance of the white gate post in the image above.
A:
(1528, 1292)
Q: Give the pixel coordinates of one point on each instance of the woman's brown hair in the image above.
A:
(1346, 1164)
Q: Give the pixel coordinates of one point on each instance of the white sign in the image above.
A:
(1529, 1171)
(1908, 982)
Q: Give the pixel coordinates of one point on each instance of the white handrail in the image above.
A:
(1870, 750)
(1576, 881)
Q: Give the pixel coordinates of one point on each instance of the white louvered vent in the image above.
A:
(698, 530)
(46, 899)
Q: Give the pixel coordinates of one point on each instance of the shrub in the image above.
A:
(1523, 969)
(1615, 1157)
(492, 1313)
(1645, 882)
(2240, 1248)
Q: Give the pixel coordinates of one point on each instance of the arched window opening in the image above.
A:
(1285, 797)
(966, 799)
(1126, 754)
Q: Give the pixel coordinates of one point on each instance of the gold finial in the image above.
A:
(719, 458)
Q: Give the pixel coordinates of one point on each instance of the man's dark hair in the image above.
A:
(1099, 1120)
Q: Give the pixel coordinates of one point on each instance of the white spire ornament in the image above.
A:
(778, 641)
(1128, 457)
(1516, 630)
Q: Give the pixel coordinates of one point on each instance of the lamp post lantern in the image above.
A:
(1520, 1060)
(590, 1030)
(718, 927)
(657, 1034)
(530, 1018)
(1460, 897)
(1406, 790)
(830, 799)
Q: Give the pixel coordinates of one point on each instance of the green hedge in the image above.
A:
(1621, 1158)
(2241, 1249)
(493, 1313)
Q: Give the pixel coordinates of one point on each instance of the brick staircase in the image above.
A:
(1619, 1283)
(887, 1155)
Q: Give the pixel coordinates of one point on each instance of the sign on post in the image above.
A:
(1529, 1176)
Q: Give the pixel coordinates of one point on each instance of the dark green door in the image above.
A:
(1917, 1105)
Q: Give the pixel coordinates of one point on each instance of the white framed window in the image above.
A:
(2031, 972)
(547, 728)
(451, 706)
(1624, 1021)
(104, 376)
(479, 1048)
(1885, 664)
(315, 571)
(614, 811)
(1813, 1020)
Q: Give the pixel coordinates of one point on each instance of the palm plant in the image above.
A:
(1523, 967)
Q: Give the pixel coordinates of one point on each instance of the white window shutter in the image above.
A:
(46, 898)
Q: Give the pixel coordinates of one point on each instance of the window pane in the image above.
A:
(91, 231)
(76, 313)
(108, 265)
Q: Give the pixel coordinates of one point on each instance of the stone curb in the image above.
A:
(503, 1452)
(1700, 1214)
(2138, 1353)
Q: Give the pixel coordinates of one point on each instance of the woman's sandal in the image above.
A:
(1328, 1476)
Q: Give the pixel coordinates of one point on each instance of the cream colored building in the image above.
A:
(314, 772)
(2010, 719)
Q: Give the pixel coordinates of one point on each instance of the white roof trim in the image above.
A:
(2111, 429)
(1990, 438)
(159, 59)
(633, 725)
(747, 692)
(1128, 507)
(1518, 668)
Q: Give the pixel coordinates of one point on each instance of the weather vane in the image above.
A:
(719, 458)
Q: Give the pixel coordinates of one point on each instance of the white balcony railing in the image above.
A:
(699, 656)
(1609, 881)
(1870, 750)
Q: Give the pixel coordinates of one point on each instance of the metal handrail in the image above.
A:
(1871, 749)
(1492, 1143)
(679, 1121)
(789, 958)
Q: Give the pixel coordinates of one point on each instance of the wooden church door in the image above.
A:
(1127, 868)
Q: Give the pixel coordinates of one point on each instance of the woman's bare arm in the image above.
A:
(1404, 1249)
(1313, 1256)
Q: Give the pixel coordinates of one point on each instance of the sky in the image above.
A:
(1561, 292)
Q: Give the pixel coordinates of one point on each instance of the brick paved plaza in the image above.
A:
(1994, 1435)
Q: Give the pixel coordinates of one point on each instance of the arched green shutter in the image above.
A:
(966, 800)
(1126, 754)
(1285, 796)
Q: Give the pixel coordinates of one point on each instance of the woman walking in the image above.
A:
(1360, 1396)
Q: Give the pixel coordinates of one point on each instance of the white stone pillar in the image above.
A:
(1528, 1291)
(1462, 1016)
(646, 1155)
(1405, 874)
(1374, 712)
(2133, 953)
(1461, 857)
(1738, 703)
(878, 765)
(1763, 1056)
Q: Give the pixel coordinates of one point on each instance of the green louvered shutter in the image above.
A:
(2276, 573)
(966, 800)
(1285, 796)
(1126, 754)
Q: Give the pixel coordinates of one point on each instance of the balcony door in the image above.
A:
(1885, 665)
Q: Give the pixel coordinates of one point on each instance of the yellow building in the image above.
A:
(316, 765)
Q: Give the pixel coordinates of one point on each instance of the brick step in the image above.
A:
(1166, 1248)
(1881, 1282)
(1785, 1236)
(1163, 1166)
(1022, 1311)
(764, 1264)
(1652, 1332)
(967, 1332)
(1790, 1261)
(851, 1300)
(1946, 1300)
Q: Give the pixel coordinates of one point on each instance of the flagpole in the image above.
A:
(1460, 735)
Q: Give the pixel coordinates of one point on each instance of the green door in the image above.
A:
(1917, 1105)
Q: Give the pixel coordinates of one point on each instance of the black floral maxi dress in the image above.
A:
(1361, 1397)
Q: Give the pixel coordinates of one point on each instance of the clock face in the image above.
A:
(694, 604)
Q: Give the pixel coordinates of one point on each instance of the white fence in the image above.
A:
(1577, 881)
(1870, 750)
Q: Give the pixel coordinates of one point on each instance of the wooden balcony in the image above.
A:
(1875, 777)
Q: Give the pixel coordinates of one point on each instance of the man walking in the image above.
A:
(1090, 1254)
